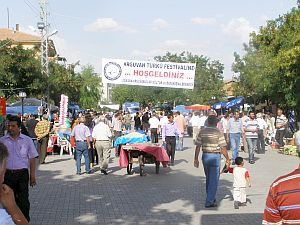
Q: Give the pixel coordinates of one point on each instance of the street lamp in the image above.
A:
(22, 95)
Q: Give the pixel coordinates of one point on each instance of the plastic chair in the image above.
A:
(65, 145)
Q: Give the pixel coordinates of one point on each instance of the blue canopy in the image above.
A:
(15, 110)
(219, 105)
(131, 139)
(181, 109)
(235, 102)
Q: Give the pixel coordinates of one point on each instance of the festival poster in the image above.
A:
(149, 73)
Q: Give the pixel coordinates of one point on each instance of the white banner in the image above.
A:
(148, 73)
(63, 109)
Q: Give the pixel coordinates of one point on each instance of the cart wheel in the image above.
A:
(157, 167)
(141, 161)
(129, 169)
(142, 170)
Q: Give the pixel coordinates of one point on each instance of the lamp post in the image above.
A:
(22, 95)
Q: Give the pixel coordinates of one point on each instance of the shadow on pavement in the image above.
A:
(235, 219)
(172, 197)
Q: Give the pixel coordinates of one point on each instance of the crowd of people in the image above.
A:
(93, 135)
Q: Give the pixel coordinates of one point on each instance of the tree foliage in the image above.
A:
(20, 70)
(271, 66)
(208, 83)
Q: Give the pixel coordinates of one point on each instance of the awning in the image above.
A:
(235, 102)
(15, 110)
(219, 105)
(198, 107)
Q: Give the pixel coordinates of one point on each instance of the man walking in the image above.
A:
(101, 137)
(180, 121)
(82, 134)
(213, 145)
(42, 130)
(117, 130)
(261, 134)
(154, 123)
(127, 122)
(280, 125)
(234, 130)
(21, 165)
(30, 125)
(251, 132)
(10, 214)
(169, 133)
(195, 121)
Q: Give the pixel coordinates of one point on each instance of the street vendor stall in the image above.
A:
(135, 149)
(142, 154)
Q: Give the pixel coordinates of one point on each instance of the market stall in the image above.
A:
(135, 149)
(142, 154)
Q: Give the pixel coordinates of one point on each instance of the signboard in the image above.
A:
(2, 106)
(63, 109)
(148, 73)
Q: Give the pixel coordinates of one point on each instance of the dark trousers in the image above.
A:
(279, 137)
(93, 155)
(42, 148)
(18, 182)
(171, 146)
(154, 135)
(261, 142)
(117, 134)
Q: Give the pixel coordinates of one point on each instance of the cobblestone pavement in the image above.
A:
(175, 196)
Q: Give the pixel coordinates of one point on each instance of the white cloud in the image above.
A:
(203, 21)
(174, 46)
(159, 24)
(239, 27)
(175, 43)
(106, 25)
(147, 54)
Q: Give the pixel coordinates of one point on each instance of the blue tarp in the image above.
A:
(15, 110)
(219, 105)
(127, 105)
(235, 102)
(181, 109)
(131, 140)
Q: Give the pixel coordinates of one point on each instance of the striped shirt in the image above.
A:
(283, 201)
(211, 140)
(281, 122)
(251, 126)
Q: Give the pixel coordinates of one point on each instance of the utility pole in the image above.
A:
(43, 26)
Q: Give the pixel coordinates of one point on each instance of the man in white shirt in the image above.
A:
(195, 121)
(102, 141)
(154, 124)
(202, 121)
(164, 120)
(10, 214)
(261, 134)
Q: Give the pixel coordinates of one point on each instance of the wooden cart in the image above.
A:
(137, 156)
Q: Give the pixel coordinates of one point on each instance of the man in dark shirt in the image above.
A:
(145, 120)
(30, 125)
(137, 121)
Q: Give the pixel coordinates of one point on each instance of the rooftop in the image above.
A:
(17, 36)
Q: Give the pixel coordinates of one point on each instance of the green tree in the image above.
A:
(270, 68)
(20, 70)
(89, 91)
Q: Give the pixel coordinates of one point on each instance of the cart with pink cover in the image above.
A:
(142, 154)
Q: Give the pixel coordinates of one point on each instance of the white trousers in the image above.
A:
(239, 194)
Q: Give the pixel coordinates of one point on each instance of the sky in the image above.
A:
(141, 29)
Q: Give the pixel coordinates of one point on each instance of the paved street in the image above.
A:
(175, 196)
